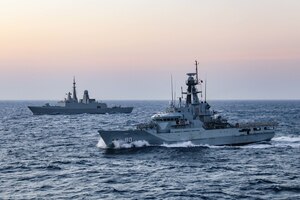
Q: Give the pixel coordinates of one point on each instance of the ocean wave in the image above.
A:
(257, 146)
(277, 142)
(180, 144)
(101, 144)
(292, 139)
(138, 143)
(58, 157)
(143, 143)
(123, 145)
(188, 144)
(287, 141)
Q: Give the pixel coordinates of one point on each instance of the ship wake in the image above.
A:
(277, 142)
(187, 144)
(120, 144)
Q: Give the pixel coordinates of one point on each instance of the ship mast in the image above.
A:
(196, 63)
(205, 90)
(172, 102)
(74, 90)
(192, 82)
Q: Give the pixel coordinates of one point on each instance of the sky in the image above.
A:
(128, 49)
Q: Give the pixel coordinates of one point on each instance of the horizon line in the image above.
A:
(219, 99)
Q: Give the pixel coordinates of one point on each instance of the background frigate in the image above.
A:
(71, 105)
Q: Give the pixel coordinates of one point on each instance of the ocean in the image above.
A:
(63, 156)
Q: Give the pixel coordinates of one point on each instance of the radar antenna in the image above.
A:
(74, 90)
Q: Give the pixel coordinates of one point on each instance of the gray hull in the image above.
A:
(224, 137)
(57, 110)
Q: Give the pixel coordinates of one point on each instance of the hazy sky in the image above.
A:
(127, 49)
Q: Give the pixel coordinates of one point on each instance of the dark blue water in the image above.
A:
(62, 157)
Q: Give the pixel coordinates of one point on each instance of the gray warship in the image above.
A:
(190, 121)
(71, 105)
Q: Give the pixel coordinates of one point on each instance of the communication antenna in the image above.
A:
(172, 90)
(174, 93)
(196, 63)
(181, 92)
(205, 89)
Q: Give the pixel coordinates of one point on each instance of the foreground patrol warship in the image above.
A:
(71, 105)
(192, 121)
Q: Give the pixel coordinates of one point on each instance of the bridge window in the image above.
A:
(269, 128)
(244, 130)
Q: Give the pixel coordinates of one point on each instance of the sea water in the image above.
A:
(63, 156)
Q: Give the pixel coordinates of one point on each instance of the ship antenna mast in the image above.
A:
(181, 93)
(74, 90)
(172, 90)
(174, 93)
(196, 63)
(205, 90)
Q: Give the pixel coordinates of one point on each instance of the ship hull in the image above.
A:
(201, 137)
(57, 110)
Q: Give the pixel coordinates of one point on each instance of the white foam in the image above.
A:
(280, 142)
(141, 143)
(180, 144)
(293, 145)
(125, 145)
(188, 144)
(257, 146)
(101, 144)
(286, 139)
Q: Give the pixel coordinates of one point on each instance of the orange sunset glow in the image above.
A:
(246, 49)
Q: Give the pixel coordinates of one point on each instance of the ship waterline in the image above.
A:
(57, 110)
(197, 137)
